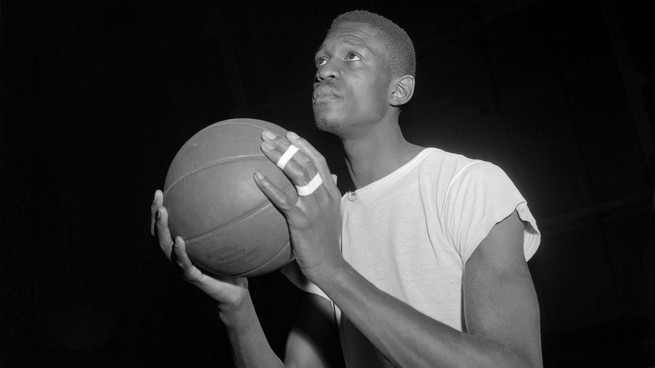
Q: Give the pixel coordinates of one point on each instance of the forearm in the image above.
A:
(406, 336)
(249, 345)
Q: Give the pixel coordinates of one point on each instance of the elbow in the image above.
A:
(507, 357)
(525, 360)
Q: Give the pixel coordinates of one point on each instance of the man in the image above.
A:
(423, 265)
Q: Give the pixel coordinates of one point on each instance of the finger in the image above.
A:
(221, 289)
(279, 198)
(318, 160)
(299, 168)
(290, 209)
(163, 232)
(278, 149)
(301, 171)
(189, 272)
(157, 202)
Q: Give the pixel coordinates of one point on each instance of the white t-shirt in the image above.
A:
(411, 233)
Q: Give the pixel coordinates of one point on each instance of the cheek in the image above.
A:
(375, 98)
(372, 93)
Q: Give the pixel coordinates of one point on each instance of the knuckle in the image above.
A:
(306, 173)
(283, 143)
(305, 144)
(297, 171)
(320, 159)
(285, 204)
(188, 277)
(306, 165)
(304, 160)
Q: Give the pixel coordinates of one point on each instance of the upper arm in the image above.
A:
(313, 340)
(500, 302)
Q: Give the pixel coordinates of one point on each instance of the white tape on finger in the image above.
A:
(286, 156)
(311, 187)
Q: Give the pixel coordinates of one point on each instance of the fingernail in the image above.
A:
(268, 134)
(292, 135)
(258, 175)
(268, 146)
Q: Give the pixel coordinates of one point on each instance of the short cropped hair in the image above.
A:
(401, 56)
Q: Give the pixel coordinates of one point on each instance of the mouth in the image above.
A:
(324, 93)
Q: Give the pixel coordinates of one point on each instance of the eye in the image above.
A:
(353, 57)
(321, 61)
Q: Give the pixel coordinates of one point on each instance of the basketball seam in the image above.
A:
(232, 223)
(245, 216)
(236, 222)
(246, 273)
(232, 122)
(284, 248)
(212, 164)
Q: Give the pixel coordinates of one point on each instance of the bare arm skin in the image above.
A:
(501, 308)
(314, 341)
(501, 312)
(249, 345)
(500, 305)
(313, 337)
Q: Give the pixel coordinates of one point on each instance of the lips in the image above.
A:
(323, 92)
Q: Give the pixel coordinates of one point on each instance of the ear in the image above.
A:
(402, 90)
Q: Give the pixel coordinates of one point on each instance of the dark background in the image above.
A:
(97, 96)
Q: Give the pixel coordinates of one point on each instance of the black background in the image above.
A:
(97, 96)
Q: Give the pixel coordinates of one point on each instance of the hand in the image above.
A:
(314, 220)
(227, 291)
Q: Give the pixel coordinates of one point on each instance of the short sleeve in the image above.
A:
(478, 197)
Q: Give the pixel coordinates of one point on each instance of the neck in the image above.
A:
(377, 153)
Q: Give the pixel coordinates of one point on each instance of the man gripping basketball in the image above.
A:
(423, 265)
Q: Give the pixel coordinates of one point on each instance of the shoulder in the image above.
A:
(436, 156)
(453, 170)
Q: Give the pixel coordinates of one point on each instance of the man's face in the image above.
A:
(352, 82)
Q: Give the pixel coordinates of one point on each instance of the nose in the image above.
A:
(329, 70)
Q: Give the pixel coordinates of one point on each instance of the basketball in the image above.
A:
(229, 226)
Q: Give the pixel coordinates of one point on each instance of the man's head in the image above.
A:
(363, 75)
(401, 57)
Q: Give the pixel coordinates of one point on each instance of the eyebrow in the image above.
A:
(354, 42)
(347, 41)
(320, 48)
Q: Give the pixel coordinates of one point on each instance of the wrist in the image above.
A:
(236, 314)
(327, 274)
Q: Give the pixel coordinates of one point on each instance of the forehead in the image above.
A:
(356, 34)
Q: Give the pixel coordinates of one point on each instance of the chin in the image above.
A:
(325, 121)
(327, 125)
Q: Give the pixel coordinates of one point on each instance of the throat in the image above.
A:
(367, 165)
